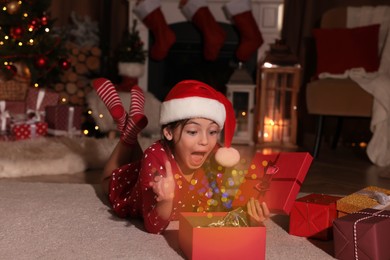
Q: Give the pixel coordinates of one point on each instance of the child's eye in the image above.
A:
(191, 132)
(214, 132)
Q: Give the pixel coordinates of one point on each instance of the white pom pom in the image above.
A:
(227, 157)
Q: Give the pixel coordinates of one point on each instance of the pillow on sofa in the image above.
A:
(341, 49)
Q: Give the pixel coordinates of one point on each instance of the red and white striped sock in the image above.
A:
(137, 101)
(134, 125)
(107, 92)
(136, 120)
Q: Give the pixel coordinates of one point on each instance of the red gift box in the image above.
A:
(362, 235)
(198, 241)
(63, 119)
(312, 216)
(28, 131)
(275, 179)
(38, 99)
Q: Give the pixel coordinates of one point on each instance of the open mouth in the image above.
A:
(198, 157)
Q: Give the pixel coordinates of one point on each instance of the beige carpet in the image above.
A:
(71, 221)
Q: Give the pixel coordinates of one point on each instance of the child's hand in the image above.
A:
(164, 187)
(257, 212)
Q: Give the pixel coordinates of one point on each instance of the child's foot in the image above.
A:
(107, 92)
(136, 120)
(134, 125)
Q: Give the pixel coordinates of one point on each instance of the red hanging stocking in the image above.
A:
(213, 34)
(149, 11)
(250, 35)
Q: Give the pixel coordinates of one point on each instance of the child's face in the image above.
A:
(194, 144)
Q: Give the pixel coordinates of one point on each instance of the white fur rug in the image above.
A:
(55, 155)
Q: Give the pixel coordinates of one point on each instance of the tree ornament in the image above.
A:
(44, 20)
(13, 7)
(16, 32)
(41, 62)
(34, 24)
(7, 72)
(64, 64)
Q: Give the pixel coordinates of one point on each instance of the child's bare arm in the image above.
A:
(164, 187)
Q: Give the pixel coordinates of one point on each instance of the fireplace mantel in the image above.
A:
(267, 13)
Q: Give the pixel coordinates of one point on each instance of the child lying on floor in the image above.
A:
(177, 173)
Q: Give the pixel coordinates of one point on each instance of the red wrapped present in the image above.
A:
(28, 130)
(64, 119)
(199, 241)
(312, 216)
(275, 179)
(37, 100)
(362, 235)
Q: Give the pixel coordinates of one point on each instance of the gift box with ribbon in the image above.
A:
(28, 130)
(64, 119)
(220, 235)
(275, 179)
(369, 197)
(312, 216)
(5, 118)
(37, 100)
(362, 235)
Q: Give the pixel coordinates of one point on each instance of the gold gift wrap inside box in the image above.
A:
(198, 240)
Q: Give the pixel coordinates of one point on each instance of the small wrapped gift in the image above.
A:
(64, 119)
(312, 216)
(362, 235)
(37, 100)
(4, 118)
(275, 179)
(369, 197)
(220, 235)
(28, 130)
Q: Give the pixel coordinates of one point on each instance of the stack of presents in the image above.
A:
(358, 224)
(38, 113)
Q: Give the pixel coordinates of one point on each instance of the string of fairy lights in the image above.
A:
(27, 41)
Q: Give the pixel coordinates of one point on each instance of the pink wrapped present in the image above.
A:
(37, 100)
(64, 119)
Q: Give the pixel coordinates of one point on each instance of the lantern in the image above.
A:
(278, 83)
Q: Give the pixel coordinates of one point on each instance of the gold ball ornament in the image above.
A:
(12, 7)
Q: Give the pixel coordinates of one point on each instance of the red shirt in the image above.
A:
(131, 195)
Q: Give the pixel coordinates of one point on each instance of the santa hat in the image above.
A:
(190, 99)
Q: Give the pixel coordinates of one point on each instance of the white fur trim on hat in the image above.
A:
(190, 8)
(146, 7)
(191, 107)
(237, 7)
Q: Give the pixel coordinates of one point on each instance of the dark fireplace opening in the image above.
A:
(185, 61)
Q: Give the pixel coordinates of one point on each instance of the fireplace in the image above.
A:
(185, 61)
(188, 48)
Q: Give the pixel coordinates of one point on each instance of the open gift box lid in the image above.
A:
(274, 178)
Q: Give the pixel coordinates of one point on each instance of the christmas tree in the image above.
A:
(28, 44)
(132, 47)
